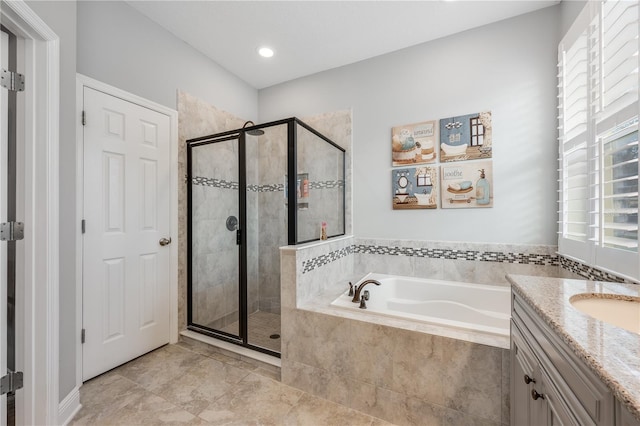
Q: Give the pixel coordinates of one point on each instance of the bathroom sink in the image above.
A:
(621, 311)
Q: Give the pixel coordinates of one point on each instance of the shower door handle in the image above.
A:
(164, 241)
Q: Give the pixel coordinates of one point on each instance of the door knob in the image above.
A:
(165, 242)
(535, 395)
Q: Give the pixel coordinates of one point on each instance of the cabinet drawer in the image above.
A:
(590, 400)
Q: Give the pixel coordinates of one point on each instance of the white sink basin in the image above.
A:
(611, 309)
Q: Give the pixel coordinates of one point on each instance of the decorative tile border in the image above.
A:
(585, 271)
(215, 183)
(325, 259)
(327, 184)
(276, 187)
(589, 272)
(451, 254)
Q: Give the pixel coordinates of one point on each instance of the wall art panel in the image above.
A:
(467, 185)
(415, 188)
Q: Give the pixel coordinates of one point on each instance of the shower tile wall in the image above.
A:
(337, 127)
(253, 225)
(273, 214)
(272, 217)
(322, 163)
(195, 118)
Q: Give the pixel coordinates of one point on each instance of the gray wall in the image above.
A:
(508, 68)
(120, 46)
(61, 18)
(569, 11)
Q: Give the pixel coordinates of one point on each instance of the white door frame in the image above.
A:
(84, 81)
(41, 212)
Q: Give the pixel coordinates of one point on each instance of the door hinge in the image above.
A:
(84, 118)
(11, 231)
(12, 81)
(83, 226)
(11, 382)
(82, 334)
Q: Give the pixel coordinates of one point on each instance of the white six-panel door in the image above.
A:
(126, 211)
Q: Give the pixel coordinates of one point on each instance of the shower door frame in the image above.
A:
(292, 170)
(243, 332)
(241, 339)
(292, 219)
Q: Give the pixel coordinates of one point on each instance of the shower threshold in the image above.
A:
(241, 351)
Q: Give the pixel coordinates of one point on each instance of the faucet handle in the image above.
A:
(363, 299)
(350, 289)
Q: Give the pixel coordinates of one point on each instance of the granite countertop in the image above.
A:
(611, 352)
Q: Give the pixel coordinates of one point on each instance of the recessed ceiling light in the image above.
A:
(265, 52)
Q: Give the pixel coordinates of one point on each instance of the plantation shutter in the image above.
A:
(574, 178)
(599, 156)
(616, 130)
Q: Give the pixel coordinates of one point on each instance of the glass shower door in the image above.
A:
(266, 219)
(214, 227)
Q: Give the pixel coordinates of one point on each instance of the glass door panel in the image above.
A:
(214, 226)
(266, 225)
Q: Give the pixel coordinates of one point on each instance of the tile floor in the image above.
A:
(261, 326)
(177, 385)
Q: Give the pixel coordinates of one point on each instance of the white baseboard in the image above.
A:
(69, 406)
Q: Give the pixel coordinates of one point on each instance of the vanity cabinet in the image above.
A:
(549, 384)
(534, 399)
(624, 417)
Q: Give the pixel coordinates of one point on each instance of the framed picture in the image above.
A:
(467, 137)
(467, 185)
(414, 143)
(415, 188)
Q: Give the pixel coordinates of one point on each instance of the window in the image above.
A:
(598, 135)
(477, 131)
(424, 179)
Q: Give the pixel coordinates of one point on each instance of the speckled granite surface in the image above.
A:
(611, 352)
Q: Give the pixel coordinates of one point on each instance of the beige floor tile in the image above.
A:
(312, 411)
(174, 385)
(201, 384)
(255, 398)
(119, 401)
(159, 367)
(153, 410)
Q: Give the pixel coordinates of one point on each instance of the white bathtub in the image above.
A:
(479, 307)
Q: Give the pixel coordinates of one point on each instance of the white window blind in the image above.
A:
(576, 186)
(620, 188)
(598, 135)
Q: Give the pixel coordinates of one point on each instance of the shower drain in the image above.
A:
(274, 336)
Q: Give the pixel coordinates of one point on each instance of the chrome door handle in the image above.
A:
(164, 242)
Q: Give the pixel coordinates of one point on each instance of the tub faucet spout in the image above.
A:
(356, 296)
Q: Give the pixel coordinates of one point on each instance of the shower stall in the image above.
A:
(241, 211)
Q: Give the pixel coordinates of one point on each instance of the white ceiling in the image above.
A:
(313, 36)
